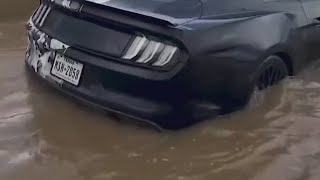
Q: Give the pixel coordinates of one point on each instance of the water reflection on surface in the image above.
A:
(44, 135)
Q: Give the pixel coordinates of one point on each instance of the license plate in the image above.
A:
(67, 69)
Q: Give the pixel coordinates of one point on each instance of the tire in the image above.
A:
(272, 71)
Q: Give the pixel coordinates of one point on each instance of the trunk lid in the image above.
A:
(174, 11)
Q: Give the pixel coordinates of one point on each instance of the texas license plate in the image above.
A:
(67, 69)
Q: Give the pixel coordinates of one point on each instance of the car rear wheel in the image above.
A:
(271, 72)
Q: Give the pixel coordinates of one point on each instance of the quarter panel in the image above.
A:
(231, 7)
(252, 36)
(225, 53)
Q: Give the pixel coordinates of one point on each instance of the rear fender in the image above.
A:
(258, 33)
(229, 51)
(244, 39)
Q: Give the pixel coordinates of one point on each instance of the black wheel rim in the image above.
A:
(271, 75)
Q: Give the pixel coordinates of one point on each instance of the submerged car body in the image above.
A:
(170, 62)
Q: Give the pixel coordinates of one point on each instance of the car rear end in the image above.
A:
(121, 61)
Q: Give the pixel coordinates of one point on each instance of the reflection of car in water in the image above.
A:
(170, 62)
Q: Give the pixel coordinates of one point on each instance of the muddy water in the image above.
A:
(44, 135)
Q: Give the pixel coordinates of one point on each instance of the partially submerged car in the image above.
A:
(170, 62)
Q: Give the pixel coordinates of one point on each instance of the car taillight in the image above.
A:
(41, 13)
(136, 46)
(142, 51)
(44, 9)
(166, 55)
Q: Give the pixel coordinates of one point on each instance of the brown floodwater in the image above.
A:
(44, 135)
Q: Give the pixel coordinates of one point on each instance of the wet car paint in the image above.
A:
(240, 40)
(43, 134)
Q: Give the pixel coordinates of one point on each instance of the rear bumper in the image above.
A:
(165, 103)
(169, 116)
(137, 108)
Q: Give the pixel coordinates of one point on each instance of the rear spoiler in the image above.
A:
(109, 13)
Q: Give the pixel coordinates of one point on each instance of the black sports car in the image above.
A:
(170, 62)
